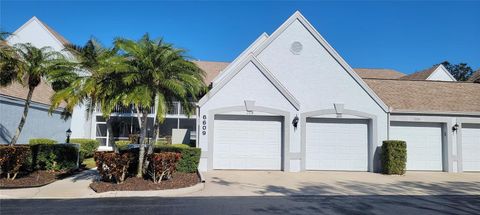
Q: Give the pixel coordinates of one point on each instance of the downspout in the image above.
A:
(388, 122)
(198, 133)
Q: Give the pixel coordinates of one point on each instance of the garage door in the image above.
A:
(424, 144)
(471, 147)
(336, 144)
(247, 142)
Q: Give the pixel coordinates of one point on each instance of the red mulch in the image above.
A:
(178, 180)
(35, 179)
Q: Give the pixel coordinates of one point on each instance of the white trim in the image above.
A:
(445, 70)
(262, 69)
(243, 55)
(298, 16)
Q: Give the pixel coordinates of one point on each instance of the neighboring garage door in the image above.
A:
(471, 147)
(424, 144)
(247, 142)
(336, 144)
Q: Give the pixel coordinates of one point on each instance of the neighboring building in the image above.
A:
(290, 102)
(435, 73)
(475, 77)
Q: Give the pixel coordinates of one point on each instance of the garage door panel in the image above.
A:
(247, 142)
(471, 147)
(424, 144)
(336, 144)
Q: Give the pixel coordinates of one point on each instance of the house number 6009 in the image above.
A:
(204, 124)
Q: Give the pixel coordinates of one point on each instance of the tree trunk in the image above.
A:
(141, 152)
(24, 116)
(111, 138)
(151, 146)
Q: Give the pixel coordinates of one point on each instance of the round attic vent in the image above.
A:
(296, 47)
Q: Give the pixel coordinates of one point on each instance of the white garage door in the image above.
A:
(247, 142)
(336, 144)
(471, 147)
(424, 144)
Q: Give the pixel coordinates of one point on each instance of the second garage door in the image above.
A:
(336, 144)
(471, 147)
(247, 142)
(424, 144)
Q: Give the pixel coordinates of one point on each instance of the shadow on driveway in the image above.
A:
(365, 204)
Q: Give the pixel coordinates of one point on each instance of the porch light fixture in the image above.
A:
(295, 122)
(68, 132)
(455, 127)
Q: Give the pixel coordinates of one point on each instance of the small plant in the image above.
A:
(394, 157)
(36, 141)
(54, 157)
(163, 165)
(12, 158)
(113, 166)
(87, 146)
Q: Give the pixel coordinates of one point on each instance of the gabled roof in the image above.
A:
(250, 59)
(475, 77)
(426, 73)
(212, 69)
(428, 96)
(378, 73)
(50, 30)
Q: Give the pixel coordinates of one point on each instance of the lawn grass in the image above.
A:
(89, 163)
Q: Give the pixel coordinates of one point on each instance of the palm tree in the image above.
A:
(159, 75)
(29, 65)
(98, 82)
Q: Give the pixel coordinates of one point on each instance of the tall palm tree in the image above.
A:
(159, 75)
(97, 83)
(29, 65)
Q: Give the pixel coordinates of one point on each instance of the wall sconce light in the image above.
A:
(295, 122)
(455, 127)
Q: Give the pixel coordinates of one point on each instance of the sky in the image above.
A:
(404, 35)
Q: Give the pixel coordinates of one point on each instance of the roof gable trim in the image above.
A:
(298, 16)
(251, 58)
(35, 19)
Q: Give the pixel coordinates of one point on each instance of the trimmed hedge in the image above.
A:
(122, 144)
(54, 157)
(35, 141)
(190, 156)
(394, 157)
(87, 146)
(112, 166)
(12, 159)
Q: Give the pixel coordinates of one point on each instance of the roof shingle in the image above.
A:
(378, 73)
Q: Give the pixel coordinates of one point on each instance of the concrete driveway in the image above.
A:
(258, 183)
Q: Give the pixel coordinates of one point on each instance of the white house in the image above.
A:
(290, 102)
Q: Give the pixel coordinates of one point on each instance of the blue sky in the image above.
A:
(403, 35)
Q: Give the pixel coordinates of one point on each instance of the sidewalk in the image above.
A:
(77, 186)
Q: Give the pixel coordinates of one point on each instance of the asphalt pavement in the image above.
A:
(341, 204)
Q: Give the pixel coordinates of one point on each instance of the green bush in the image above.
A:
(122, 144)
(394, 157)
(54, 157)
(35, 141)
(87, 146)
(12, 159)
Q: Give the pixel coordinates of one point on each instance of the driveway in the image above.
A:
(258, 183)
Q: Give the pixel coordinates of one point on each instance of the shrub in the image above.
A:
(394, 157)
(190, 157)
(122, 144)
(35, 141)
(112, 166)
(54, 157)
(87, 146)
(12, 158)
(162, 165)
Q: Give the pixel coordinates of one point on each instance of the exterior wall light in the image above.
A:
(455, 127)
(69, 133)
(295, 122)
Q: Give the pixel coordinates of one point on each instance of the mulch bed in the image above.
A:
(179, 180)
(35, 179)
